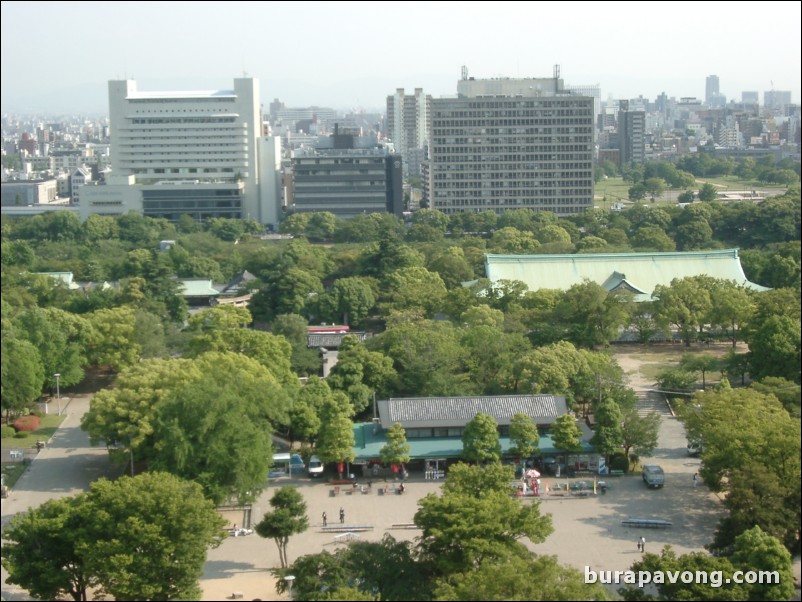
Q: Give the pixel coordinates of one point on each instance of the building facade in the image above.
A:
(185, 152)
(408, 127)
(511, 144)
(631, 134)
(347, 182)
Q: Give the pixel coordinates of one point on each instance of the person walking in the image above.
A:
(325, 519)
(342, 516)
(695, 479)
(642, 544)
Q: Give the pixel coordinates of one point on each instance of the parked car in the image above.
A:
(653, 476)
(315, 467)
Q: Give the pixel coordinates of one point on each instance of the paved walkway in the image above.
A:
(66, 466)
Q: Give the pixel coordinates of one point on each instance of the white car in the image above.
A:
(315, 468)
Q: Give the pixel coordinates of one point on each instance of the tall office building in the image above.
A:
(631, 134)
(185, 152)
(776, 99)
(711, 88)
(408, 127)
(511, 144)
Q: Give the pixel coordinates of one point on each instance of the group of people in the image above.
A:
(342, 517)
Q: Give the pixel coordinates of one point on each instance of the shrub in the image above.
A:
(7, 431)
(27, 423)
(618, 461)
(37, 412)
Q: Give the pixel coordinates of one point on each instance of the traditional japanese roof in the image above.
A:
(638, 273)
(412, 412)
(197, 287)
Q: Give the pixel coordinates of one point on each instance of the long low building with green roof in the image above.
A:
(638, 273)
(434, 425)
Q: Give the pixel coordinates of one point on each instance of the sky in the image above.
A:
(57, 57)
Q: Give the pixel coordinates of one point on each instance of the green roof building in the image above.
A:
(638, 273)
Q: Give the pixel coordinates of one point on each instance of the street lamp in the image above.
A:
(58, 393)
(289, 579)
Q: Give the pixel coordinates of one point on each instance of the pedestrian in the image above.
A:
(695, 479)
(642, 544)
(325, 519)
(342, 516)
(637, 543)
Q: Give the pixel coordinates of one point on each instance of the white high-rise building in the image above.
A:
(186, 152)
(408, 127)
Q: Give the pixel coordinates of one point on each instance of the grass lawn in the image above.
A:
(48, 426)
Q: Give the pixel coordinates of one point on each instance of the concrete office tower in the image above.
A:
(631, 134)
(408, 127)
(751, 97)
(711, 88)
(186, 152)
(511, 144)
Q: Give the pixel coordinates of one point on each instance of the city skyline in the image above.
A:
(350, 56)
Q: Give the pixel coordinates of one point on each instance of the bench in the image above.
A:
(647, 523)
(405, 526)
(346, 528)
(345, 537)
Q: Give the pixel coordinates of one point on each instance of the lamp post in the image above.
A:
(58, 393)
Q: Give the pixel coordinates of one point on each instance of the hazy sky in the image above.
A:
(58, 56)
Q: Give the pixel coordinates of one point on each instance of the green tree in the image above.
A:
(462, 529)
(518, 577)
(640, 432)
(608, 434)
(123, 417)
(293, 328)
(348, 301)
(652, 238)
(668, 562)
(22, 375)
(414, 288)
(335, 441)
(565, 434)
(112, 341)
(60, 338)
(654, 186)
(151, 536)
(142, 538)
(524, 436)
(480, 440)
(702, 362)
(708, 192)
(361, 373)
(216, 429)
(44, 553)
(731, 306)
(396, 450)
(758, 551)
(684, 304)
(775, 348)
(686, 196)
(287, 518)
(593, 315)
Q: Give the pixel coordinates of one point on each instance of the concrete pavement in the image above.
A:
(66, 466)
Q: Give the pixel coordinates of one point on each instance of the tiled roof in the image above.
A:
(413, 412)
